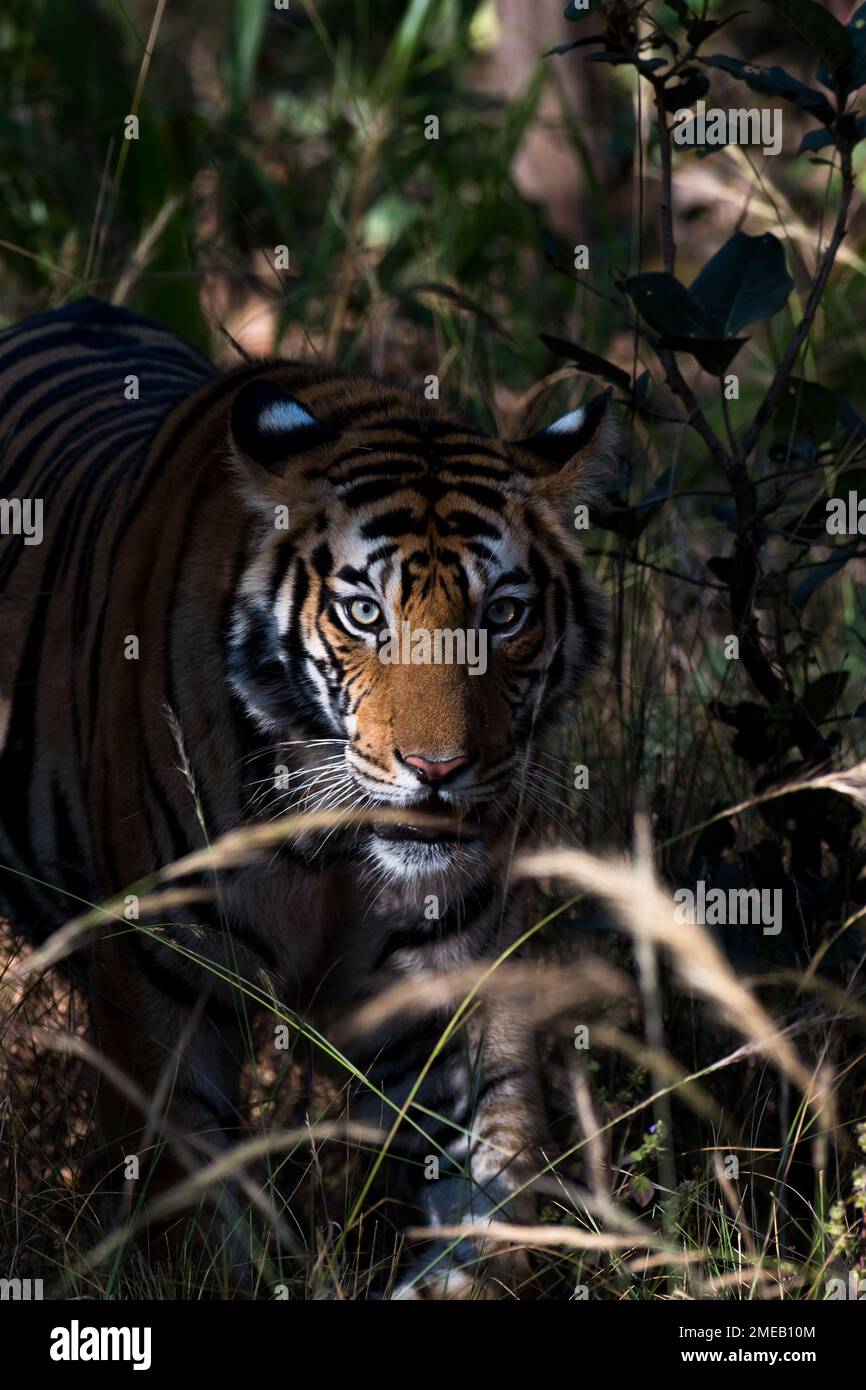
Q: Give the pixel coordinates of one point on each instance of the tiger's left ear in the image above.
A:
(565, 449)
(275, 448)
(559, 443)
(271, 427)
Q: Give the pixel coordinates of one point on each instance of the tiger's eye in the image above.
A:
(364, 612)
(503, 612)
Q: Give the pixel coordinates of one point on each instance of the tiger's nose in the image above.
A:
(435, 770)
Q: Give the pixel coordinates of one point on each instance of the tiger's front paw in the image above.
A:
(468, 1275)
(465, 1267)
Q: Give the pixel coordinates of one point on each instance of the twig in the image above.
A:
(669, 249)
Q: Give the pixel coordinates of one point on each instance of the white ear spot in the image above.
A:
(567, 424)
(283, 416)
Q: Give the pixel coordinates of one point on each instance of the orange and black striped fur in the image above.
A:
(195, 645)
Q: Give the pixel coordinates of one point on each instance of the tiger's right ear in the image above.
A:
(269, 427)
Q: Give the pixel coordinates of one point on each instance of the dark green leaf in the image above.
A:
(816, 140)
(701, 29)
(818, 575)
(761, 731)
(641, 387)
(746, 279)
(667, 306)
(618, 56)
(714, 354)
(575, 43)
(852, 127)
(615, 56)
(588, 361)
(694, 86)
(819, 28)
(806, 411)
(659, 39)
(775, 82)
(823, 693)
(683, 320)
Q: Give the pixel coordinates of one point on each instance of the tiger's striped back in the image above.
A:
(73, 439)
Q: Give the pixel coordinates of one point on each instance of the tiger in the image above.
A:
(192, 645)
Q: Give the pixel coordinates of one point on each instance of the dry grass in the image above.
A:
(630, 1119)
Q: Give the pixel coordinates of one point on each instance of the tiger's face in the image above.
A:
(421, 620)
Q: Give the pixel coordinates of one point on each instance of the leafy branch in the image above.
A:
(745, 280)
